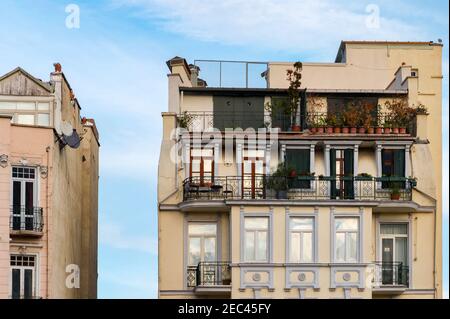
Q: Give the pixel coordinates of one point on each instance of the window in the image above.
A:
(27, 113)
(202, 165)
(393, 165)
(299, 161)
(23, 272)
(342, 169)
(301, 239)
(256, 239)
(24, 197)
(202, 242)
(346, 239)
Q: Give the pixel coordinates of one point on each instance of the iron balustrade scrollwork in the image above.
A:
(25, 218)
(209, 273)
(390, 274)
(260, 187)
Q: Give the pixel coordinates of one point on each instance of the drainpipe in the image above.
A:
(47, 150)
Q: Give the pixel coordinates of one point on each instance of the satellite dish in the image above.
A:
(66, 128)
(72, 139)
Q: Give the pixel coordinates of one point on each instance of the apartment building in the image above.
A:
(48, 190)
(338, 197)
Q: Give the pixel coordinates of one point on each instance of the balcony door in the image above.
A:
(23, 197)
(253, 168)
(202, 166)
(394, 254)
(23, 276)
(341, 172)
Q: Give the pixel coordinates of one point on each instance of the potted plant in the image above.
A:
(294, 76)
(351, 118)
(184, 120)
(321, 123)
(395, 192)
(337, 126)
(278, 181)
(387, 126)
(331, 123)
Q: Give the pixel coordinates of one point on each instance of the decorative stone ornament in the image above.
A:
(44, 171)
(256, 277)
(301, 276)
(3, 160)
(346, 276)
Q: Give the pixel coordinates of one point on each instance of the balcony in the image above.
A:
(312, 188)
(317, 123)
(26, 221)
(390, 277)
(210, 277)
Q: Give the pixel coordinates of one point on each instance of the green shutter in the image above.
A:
(399, 163)
(299, 159)
(333, 173)
(348, 172)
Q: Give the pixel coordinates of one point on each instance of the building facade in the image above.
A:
(339, 197)
(48, 190)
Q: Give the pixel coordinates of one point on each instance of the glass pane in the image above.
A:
(194, 251)
(44, 119)
(195, 165)
(259, 167)
(202, 229)
(196, 152)
(253, 153)
(394, 229)
(247, 167)
(7, 106)
(28, 284)
(15, 285)
(401, 250)
(302, 223)
(26, 119)
(307, 247)
(352, 253)
(347, 223)
(340, 247)
(210, 249)
(295, 248)
(207, 166)
(29, 106)
(261, 252)
(207, 153)
(249, 245)
(256, 223)
(44, 106)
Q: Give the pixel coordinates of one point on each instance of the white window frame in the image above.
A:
(202, 239)
(35, 112)
(360, 237)
(314, 232)
(269, 244)
(35, 274)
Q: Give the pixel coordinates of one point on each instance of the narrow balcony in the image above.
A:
(210, 277)
(26, 221)
(390, 277)
(263, 187)
(315, 123)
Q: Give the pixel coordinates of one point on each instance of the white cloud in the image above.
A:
(288, 25)
(112, 235)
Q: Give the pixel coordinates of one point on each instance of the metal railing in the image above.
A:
(209, 273)
(297, 188)
(391, 274)
(24, 218)
(207, 120)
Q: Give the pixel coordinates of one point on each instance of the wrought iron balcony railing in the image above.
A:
(262, 187)
(24, 218)
(388, 274)
(209, 273)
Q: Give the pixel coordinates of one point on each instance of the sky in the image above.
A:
(114, 59)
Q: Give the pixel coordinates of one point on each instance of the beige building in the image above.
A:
(353, 211)
(48, 190)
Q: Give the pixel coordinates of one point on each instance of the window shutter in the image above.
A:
(333, 173)
(348, 171)
(399, 163)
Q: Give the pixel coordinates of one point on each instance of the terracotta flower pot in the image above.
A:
(395, 196)
(329, 130)
(387, 130)
(379, 130)
(370, 130)
(395, 130)
(295, 128)
(320, 130)
(353, 130)
(402, 130)
(345, 130)
(337, 130)
(361, 130)
(313, 130)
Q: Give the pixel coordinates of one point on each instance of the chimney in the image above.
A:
(195, 70)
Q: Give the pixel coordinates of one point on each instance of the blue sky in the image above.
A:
(115, 62)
